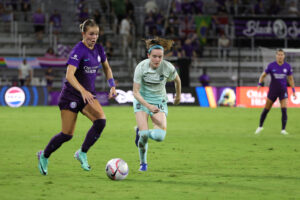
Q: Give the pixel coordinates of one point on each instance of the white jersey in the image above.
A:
(153, 81)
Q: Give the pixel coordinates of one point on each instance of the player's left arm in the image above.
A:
(178, 89)
(110, 79)
(290, 79)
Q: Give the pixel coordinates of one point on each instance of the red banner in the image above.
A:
(250, 97)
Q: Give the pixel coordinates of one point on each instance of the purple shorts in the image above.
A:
(273, 94)
(70, 101)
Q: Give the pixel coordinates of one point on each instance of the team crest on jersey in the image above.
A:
(73, 104)
(161, 77)
(75, 57)
(284, 70)
(99, 59)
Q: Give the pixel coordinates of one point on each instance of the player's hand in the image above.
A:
(153, 108)
(294, 95)
(258, 87)
(87, 97)
(177, 100)
(112, 93)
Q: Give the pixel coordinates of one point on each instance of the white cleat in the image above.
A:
(283, 132)
(258, 130)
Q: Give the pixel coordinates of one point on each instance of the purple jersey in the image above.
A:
(278, 74)
(87, 62)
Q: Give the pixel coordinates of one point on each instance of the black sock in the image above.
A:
(263, 117)
(55, 143)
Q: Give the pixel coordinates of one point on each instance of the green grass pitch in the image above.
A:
(207, 154)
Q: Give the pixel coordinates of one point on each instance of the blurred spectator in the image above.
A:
(274, 8)
(55, 20)
(39, 24)
(189, 48)
(187, 7)
(259, 8)
(175, 7)
(84, 15)
(204, 78)
(104, 6)
(119, 9)
(129, 7)
(224, 45)
(197, 5)
(177, 50)
(97, 16)
(293, 9)
(149, 23)
(49, 79)
(50, 53)
(108, 49)
(14, 5)
(25, 73)
(25, 7)
(151, 7)
(125, 33)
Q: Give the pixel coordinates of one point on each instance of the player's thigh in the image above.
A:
(68, 121)
(159, 120)
(142, 120)
(269, 104)
(283, 103)
(93, 111)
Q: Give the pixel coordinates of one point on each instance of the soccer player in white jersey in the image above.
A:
(150, 98)
(280, 72)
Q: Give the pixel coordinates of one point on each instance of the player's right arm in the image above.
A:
(290, 79)
(70, 76)
(139, 98)
(261, 80)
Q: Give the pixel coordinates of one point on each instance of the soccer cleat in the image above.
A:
(137, 137)
(82, 158)
(143, 167)
(42, 163)
(258, 130)
(283, 132)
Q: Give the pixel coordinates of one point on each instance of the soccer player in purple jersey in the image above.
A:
(280, 72)
(78, 94)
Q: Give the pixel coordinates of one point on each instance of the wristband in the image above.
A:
(293, 89)
(111, 82)
(260, 84)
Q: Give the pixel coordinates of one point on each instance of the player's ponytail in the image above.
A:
(158, 43)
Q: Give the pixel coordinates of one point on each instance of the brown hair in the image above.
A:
(87, 23)
(165, 43)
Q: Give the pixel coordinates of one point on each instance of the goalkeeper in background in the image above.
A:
(280, 72)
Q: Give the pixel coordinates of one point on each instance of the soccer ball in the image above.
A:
(116, 169)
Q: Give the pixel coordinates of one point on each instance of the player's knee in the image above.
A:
(159, 135)
(99, 125)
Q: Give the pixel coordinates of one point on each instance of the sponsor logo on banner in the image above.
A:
(251, 97)
(14, 97)
(127, 97)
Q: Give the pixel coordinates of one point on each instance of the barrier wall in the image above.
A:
(212, 97)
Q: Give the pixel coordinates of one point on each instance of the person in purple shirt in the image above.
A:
(280, 72)
(78, 94)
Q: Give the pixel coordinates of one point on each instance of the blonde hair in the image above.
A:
(86, 24)
(165, 43)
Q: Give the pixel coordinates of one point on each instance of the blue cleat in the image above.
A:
(143, 167)
(137, 137)
(82, 158)
(42, 163)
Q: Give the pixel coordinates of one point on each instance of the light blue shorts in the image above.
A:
(162, 105)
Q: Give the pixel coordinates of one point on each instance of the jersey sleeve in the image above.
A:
(102, 54)
(138, 75)
(173, 72)
(290, 71)
(268, 69)
(75, 56)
